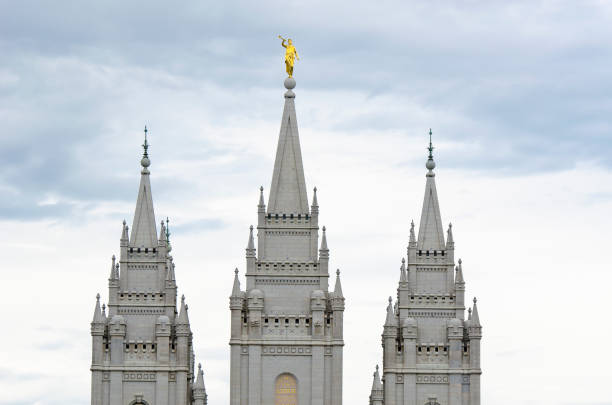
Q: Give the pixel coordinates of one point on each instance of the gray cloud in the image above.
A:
(524, 82)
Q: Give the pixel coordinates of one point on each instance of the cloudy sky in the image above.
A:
(519, 96)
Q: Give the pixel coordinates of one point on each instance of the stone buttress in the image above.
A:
(431, 352)
(142, 352)
(286, 327)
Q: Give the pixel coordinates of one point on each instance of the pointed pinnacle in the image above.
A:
(315, 202)
(324, 240)
(338, 286)
(261, 197)
(251, 243)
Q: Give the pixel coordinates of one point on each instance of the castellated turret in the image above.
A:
(142, 352)
(286, 325)
(431, 354)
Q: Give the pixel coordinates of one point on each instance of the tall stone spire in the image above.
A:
(431, 234)
(144, 233)
(288, 191)
(287, 286)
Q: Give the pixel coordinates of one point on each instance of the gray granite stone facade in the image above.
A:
(142, 352)
(431, 353)
(286, 327)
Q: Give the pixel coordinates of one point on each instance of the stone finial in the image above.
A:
(412, 235)
(430, 165)
(145, 162)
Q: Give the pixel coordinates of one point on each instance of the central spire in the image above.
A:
(431, 235)
(288, 191)
(144, 232)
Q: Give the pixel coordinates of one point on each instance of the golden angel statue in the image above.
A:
(290, 55)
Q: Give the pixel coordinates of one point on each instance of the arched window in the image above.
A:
(138, 400)
(286, 390)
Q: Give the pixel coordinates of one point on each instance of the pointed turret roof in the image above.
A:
(376, 383)
(288, 191)
(450, 242)
(251, 243)
(459, 275)
(183, 318)
(262, 203)
(124, 231)
(200, 379)
(236, 288)
(431, 234)
(97, 317)
(324, 240)
(338, 287)
(475, 317)
(112, 272)
(144, 233)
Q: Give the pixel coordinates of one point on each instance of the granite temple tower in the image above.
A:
(142, 352)
(431, 353)
(286, 326)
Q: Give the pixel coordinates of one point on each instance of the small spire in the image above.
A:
(459, 275)
(377, 384)
(199, 385)
(315, 202)
(324, 240)
(112, 272)
(450, 242)
(97, 318)
(261, 197)
(236, 288)
(183, 318)
(475, 317)
(124, 232)
(117, 271)
(469, 314)
(412, 235)
(251, 243)
(403, 276)
(162, 232)
(338, 287)
(390, 321)
(104, 311)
